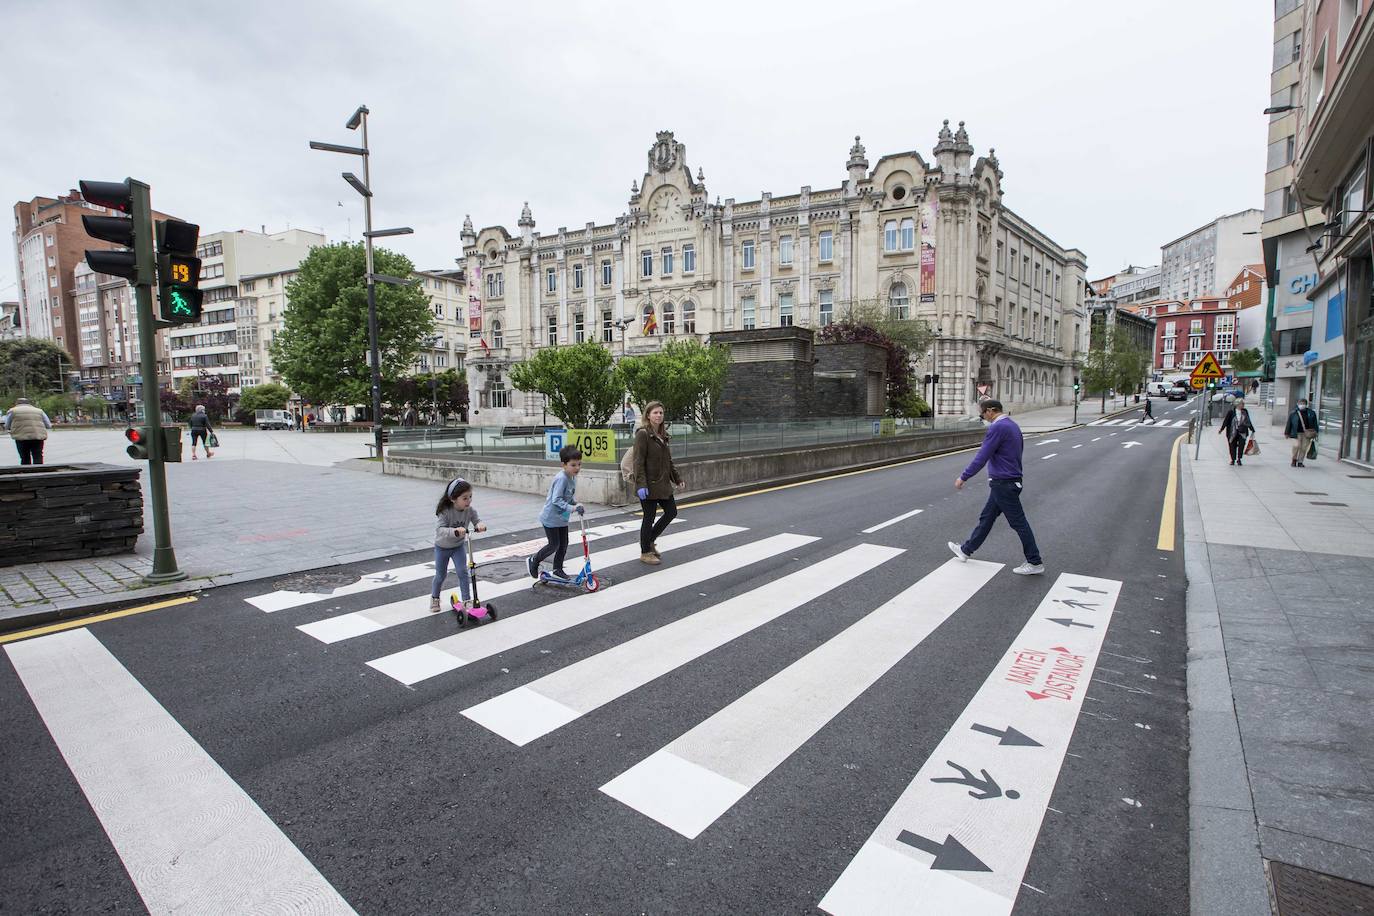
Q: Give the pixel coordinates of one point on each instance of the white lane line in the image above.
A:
(190, 838)
(1048, 457)
(1079, 445)
(960, 837)
(410, 666)
(1096, 439)
(693, 780)
(1115, 422)
(1097, 422)
(532, 711)
(384, 578)
(892, 521)
(371, 620)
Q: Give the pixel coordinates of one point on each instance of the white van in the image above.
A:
(274, 419)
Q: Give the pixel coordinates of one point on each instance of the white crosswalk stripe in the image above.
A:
(532, 711)
(371, 620)
(419, 663)
(696, 778)
(960, 843)
(281, 600)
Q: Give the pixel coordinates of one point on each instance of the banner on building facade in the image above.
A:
(474, 316)
(930, 209)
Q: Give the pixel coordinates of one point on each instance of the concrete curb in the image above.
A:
(1225, 866)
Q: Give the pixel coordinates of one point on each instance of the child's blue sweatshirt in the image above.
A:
(559, 503)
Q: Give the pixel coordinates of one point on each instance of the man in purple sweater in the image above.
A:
(1001, 452)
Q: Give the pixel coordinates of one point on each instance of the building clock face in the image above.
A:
(664, 206)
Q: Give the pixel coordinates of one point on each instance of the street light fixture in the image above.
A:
(364, 188)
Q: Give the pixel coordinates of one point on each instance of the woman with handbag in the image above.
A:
(1238, 428)
(201, 432)
(1302, 429)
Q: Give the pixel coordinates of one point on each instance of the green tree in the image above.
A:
(1246, 360)
(1098, 373)
(580, 381)
(915, 334)
(57, 405)
(31, 367)
(322, 349)
(1129, 362)
(910, 404)
(271, 396)
(95, 406)
(686, 375)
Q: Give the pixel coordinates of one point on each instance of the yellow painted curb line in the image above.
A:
(87, 621)
(1167, 517)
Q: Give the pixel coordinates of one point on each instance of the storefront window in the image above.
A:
(1330, 408)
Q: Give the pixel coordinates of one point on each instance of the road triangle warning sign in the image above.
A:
(1207, 367)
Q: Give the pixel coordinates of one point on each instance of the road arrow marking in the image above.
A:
(1075, 603)
(951, 855)
(1009, 736)
(1129, 444)
(1085, 590)
(1066, 622)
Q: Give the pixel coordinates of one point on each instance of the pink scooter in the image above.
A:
(479, 612)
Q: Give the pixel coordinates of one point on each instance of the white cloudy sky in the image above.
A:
(1118, 126)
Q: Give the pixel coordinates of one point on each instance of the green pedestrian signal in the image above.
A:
(178, 272)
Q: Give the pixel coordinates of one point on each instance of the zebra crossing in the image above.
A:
(1137, 423)
(966, 845)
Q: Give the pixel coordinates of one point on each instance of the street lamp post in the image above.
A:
(364, 188)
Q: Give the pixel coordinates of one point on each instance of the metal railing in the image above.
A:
(527, 443)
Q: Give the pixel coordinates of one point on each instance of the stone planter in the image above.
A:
(67, 511)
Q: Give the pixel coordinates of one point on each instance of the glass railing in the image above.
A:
(528, 442)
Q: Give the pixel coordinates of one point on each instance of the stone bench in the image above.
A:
(68, 511)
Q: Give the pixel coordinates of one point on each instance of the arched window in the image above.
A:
(908, 235)
(898, 302)
(650, 325)
(497, 339)
(890, 235)
(689, 317)
(669, 319)
(1021, 385)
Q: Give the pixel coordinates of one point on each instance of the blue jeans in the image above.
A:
(1004, 498)
(459, 556)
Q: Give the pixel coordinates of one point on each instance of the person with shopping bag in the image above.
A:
(1238, 428)
(1302, 429)
(201, 432)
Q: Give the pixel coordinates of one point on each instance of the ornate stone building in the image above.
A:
(931, 241)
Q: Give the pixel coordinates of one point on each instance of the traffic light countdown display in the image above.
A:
(178, 272)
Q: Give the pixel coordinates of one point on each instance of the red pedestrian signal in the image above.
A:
(138, 442)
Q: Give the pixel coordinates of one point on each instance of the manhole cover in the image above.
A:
(504, 570)
(1302, 892)
(316, 582)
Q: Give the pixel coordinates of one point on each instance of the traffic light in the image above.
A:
(171, 443)
(178, 272)
(1075, 383)
(133, 231)
(138, 442)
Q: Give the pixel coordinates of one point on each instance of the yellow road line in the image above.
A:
(1167, 517)
(802, 483)
(87, 621)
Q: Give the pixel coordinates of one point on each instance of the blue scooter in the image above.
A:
(584, 579)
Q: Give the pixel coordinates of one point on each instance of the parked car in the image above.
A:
(273, 419)
(1179, 393)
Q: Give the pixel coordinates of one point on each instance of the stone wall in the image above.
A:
(62, 512)
(769, 376)
(842, 372)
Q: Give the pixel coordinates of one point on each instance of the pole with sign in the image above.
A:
(1206, 370)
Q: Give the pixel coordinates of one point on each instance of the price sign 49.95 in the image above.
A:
(596, 444)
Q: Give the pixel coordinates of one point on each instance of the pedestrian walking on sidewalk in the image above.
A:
(1302, 429)
(28, 426)
(655, 478)
(200, 432)
(1238, 429)
(454, 518)
(1001, 452)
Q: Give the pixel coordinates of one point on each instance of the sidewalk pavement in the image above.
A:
(235, 519)
(1280, 672)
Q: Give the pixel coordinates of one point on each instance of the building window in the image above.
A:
(1350, 197)
(1316, 87)
(249, 285)
(827, 246)
(785, 310)
(827, 307)
(553, 331)
(747, 254)
(746, 307)
(667, 260)
(577, 276)
(1168, 360)
(51, 241)
(1350, 11)
(898, 302)
(669, 319)
(607, 327)
(497, 339)
(1025, 268)
(908, 235)
(1013, 263)
(689, 259)
(785, 251)
(496, 285)
(890, 235)
(650, 326)
(1170, 344)
(551, 280)
(689, 317)
(1001, 257)
(1280, 154)
(646, 263)
(606, 272)
(579, 329)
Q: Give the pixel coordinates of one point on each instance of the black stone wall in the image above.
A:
(768, 389)
(841, 373)
(63, 512)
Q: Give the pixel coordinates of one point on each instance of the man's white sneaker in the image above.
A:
(1030, 569)
(958, 551)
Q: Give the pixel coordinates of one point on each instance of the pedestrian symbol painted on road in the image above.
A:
(981, 789)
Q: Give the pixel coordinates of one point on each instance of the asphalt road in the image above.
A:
(744, 777)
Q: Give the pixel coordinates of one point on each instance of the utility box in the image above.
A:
(171, 443)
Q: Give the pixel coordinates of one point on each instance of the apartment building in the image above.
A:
(1201, 262)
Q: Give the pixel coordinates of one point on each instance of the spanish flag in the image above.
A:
(650, 321)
